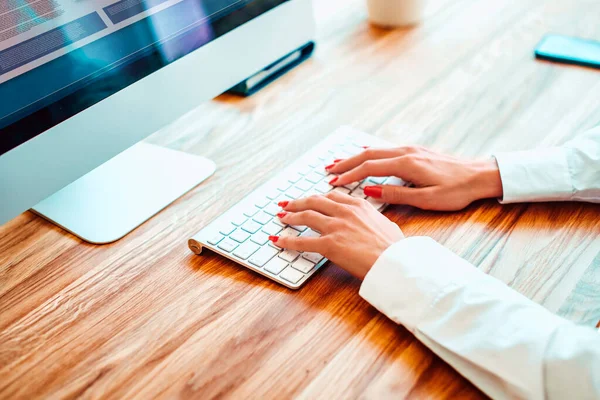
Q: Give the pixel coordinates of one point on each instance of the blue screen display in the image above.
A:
(47, 94)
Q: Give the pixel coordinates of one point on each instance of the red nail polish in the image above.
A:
(283, 204)
(274, 239)
(338, 160)
(374, 191)
(281, 214)
(365, 147)
(330, 166)
(334, 180)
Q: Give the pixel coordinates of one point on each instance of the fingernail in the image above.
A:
(330, 166)
(334, 180)
(338, 160)
(365, 147)
(274, 239)
(374, 191)
(283, 204)
(281, 214)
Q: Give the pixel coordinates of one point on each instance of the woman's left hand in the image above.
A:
(353, 233)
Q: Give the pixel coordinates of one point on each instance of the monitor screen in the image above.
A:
(59, 57)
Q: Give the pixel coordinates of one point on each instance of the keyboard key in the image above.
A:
(276, 265)
(283, 186)
(239, 236)
(311, 233)
(262, 218)
(304, 170)
(324, 156)
(377, 180)
(323, 187)
(227, 229)
(251, 227)
(352, 186)
(271, 229)
(299, 228)
(359, 194)
(215, 239)
(341, 190)
(227, 245)
(289, 232)
(251, 211)
(262, 203)
(291, 275)
(262, 256)
(273, 194)
(352, 150)
(272, 209)
(294, 193)
(312, 192)
(303, 265)
(312, 257)
(294, 177)
(239, 220)
(289, 255)
(315, 162)
(313, 177)
(364, 184)
(246, 250)
(395, 181)
(260, 238)
(304, 185)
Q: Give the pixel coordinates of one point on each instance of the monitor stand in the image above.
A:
(121, 194)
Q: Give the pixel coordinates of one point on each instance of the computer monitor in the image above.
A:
(82, 81)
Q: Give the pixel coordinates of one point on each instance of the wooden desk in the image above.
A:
(145, 318)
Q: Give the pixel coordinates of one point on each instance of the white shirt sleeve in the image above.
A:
(567, 173)
(507, 345)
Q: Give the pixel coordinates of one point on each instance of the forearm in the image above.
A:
(567, 173)
(489, 333)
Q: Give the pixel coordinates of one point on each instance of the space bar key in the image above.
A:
(262, 256)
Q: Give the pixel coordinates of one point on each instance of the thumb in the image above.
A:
(416, 197)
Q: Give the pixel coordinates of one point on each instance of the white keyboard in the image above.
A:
(241, 234)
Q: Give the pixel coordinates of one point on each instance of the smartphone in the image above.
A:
(569, 50)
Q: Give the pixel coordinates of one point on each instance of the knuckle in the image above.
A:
(369, 153)
(312, 201)
(411, 149)
(368, 165)
(410, 160)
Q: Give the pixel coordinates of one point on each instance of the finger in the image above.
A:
(342, 198)
(417, 197)
(299, 243)
(353, 162)
(385, 167)
(320, 204)
(312, 219)
(342, 166)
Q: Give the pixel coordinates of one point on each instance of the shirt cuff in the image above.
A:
(535, 175)
(411, 275)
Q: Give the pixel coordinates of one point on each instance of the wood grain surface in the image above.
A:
(145, 318)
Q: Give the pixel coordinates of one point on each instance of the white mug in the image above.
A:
(395, 13)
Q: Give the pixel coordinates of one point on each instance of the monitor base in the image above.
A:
(121, 194)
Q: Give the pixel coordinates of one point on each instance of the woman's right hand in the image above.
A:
(440, 182)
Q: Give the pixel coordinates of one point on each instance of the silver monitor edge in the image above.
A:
(59, 156)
